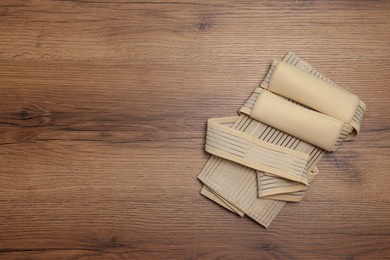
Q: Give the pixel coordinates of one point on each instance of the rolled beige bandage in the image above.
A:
(308, 125)
(298, 85)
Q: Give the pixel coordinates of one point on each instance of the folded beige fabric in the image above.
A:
(267, 155)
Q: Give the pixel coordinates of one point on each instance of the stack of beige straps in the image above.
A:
(267, 155)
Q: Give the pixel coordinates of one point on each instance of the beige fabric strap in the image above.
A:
(245, 149)
(261, 194)
(272, 187)
(236, 183)
(207, 192)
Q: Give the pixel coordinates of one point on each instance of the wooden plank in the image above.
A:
(103, 107)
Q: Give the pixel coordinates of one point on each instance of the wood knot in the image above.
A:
(203, 25)
(24, 114)
(34, 115)
(269, 246)
(341, 163)
(347, 164)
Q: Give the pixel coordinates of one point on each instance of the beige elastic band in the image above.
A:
(207, 192)
(237, 184)
(249, 151)
(272, 187)
(241, 187)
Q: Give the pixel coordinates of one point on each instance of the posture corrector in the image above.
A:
(267, 155)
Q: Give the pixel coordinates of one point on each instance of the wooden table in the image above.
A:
(103, 106)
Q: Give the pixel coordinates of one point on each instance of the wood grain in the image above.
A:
(103, 106)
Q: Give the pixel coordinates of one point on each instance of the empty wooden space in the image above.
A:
(103, 108)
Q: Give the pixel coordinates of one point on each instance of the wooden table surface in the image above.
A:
(103, 107)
